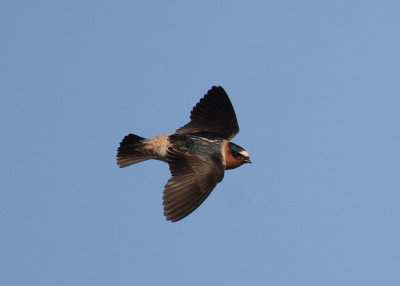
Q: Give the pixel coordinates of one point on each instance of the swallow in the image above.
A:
(197, 153)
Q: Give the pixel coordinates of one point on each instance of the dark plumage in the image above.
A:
(198, 153)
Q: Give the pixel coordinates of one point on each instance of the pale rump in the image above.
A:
(158, 145)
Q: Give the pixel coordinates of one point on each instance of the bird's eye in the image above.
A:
(238, 156)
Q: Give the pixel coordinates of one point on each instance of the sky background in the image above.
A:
(316, 89)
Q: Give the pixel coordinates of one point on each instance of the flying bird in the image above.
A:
(197, 153)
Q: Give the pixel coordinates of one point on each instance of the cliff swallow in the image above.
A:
(197, 153)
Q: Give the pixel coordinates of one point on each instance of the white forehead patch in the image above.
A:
(244, 154)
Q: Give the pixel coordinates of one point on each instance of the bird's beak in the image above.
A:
(247, 161)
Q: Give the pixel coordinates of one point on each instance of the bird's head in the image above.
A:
(236, 156)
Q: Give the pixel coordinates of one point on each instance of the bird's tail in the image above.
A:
(131, 151)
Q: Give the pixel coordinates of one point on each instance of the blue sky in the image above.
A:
(315, 86)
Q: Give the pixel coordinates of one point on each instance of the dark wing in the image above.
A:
(193, 179)
(214, 113)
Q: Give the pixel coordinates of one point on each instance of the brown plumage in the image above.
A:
(198, 153)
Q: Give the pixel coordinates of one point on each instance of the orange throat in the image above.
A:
(230, 161)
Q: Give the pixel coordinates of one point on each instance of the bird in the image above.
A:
(198, 153)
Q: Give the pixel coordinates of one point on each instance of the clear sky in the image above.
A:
(316, 89)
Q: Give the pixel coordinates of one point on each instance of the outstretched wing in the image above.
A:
(214, 113)
(193, 179)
